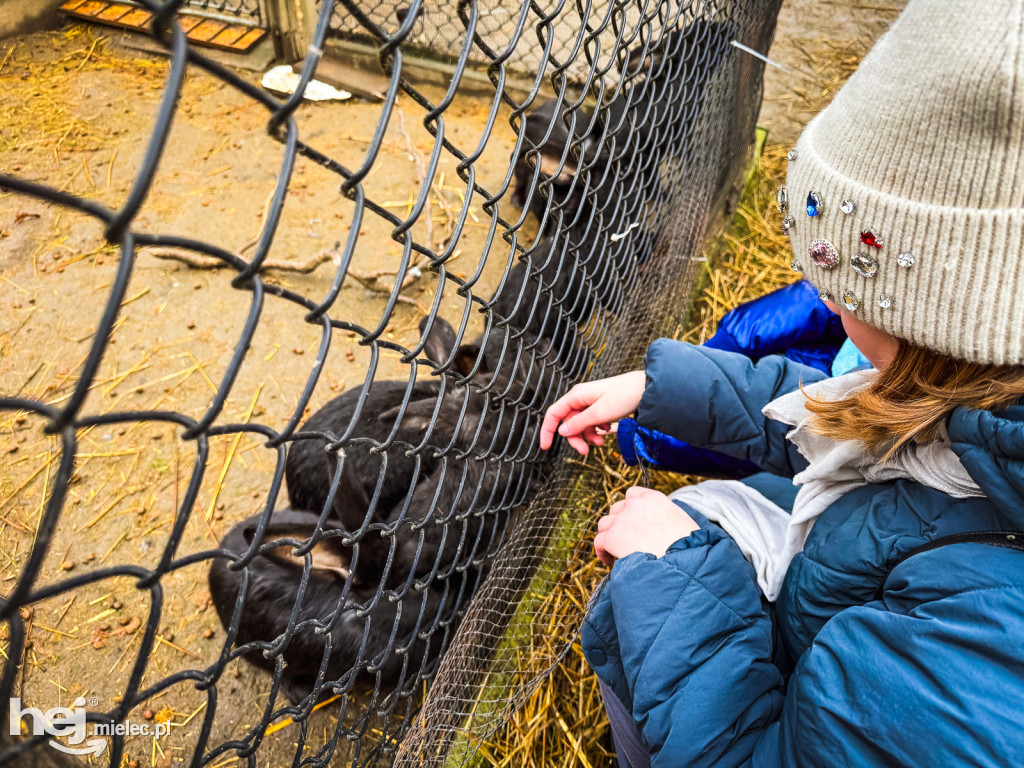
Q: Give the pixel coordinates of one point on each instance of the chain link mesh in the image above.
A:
(251, 12)
(409, 539)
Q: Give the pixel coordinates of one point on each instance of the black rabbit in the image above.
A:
(621, 146)
(339, 629)
(547, 134)
(373, 476)
(406, 540)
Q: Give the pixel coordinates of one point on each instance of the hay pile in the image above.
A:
(563, 724)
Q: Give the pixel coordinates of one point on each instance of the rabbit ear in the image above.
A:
(417, 414)
(328, 554)
(465, 359)
(549, 165)
(440, 340)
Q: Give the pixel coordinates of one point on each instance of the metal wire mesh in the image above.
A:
(408, 493)
(251, 12)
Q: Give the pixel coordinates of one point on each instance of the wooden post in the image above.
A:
(291, 24)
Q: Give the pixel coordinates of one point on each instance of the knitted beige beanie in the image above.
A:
(914, 175)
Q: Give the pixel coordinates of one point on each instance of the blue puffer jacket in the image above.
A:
(930, 674)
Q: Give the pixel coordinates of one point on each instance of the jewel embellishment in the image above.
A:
(864, 265)
(905, 259)
(850, 301)
(823, 254)
(787, 224)
(796, 266)
(884, 301)
(868, 238)
(824, 295)
(847, 207)
(783, 198)
(792, 155)
(813, 204)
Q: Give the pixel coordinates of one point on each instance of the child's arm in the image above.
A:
(707, 397)
(923, 673)
(713, 399)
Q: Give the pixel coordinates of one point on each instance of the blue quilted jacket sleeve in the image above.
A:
(685, 644)
(692, 659)
(713, 399)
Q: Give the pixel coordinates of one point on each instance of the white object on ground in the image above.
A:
(282, 80)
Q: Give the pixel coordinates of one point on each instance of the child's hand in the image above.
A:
(592, 405)
(645, 521)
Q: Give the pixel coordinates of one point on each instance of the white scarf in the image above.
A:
(769, 536)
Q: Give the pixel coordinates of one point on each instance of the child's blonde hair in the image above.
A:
(910, 399)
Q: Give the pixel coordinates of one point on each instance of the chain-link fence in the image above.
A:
(250, 12)
(386, 541)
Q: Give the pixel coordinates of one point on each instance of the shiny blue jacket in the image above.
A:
(854, 665)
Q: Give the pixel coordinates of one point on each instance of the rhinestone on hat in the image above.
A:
(824, 295)
(783, 198)
(850, 301)
(905, 259)
(864, 265)
(792, 155)
(847, 206)
(787, 224)
(813, 204)
(796, 266)
(884, 300)
(870, 238)
(823, 254)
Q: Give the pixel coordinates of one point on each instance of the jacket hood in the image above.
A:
(990, 445)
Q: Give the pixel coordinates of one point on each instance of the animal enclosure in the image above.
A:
(274, 369)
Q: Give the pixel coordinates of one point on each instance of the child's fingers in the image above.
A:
(638, 491)
(594, 416)
(579, 444)
(568, 406)
(554, 416)
(617, 507)
(599, 549)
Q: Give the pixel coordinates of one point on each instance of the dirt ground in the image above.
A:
(78, 113)
(807, 38)
(81, 111)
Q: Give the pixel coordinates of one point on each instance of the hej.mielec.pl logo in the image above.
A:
(62, 721)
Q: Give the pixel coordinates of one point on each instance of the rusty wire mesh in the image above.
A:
(249, 12)
(421, 516)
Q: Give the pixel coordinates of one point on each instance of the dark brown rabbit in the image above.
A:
(337, 629)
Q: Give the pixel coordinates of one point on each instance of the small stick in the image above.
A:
(6, 57)
(110, 165)
(64, 610)
(19, 526)
(56, 631)
(88, 55)
(101, 515)
(177, 647)
(421, 171)
(231, 455)
(288, 721)
(127, 648)
(276, 265)
(107, 554)
(101, 615)
(189, 718)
